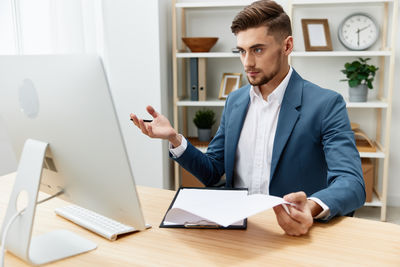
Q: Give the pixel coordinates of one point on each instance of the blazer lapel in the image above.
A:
(233, 130)
(288, 117)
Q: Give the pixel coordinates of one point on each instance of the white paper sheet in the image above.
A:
(223, 207)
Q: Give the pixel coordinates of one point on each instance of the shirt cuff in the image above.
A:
(324, 214)
(178, 151)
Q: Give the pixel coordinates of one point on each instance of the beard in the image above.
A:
(264, 79)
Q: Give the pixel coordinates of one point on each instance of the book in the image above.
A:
(216, 208)
(194, 79)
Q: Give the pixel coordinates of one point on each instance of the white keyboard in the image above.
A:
(95, 222)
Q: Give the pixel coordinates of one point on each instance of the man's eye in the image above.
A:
(242, 52)
(257, 50)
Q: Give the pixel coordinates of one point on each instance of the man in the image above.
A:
(280, 135)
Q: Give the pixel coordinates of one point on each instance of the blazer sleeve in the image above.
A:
(207, 167)
(346, 189)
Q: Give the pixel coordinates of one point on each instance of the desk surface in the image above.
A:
(349, 241)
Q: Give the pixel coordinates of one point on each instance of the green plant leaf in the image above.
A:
(372, 68)
(204, 119)
(354, 83)
(362, 77)
(359, 72)
(352, 68)
(353, 76)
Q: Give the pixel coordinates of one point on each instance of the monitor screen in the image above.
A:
(65, 101)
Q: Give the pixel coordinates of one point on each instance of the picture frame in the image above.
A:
(316, 34)
(229, 83)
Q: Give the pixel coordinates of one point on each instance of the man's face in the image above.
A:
(261, 55)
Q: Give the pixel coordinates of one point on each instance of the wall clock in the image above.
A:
(358, 31)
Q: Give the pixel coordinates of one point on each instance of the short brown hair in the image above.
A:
(263, 13)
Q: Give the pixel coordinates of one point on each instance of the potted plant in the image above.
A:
(204, 120)
(359, 76)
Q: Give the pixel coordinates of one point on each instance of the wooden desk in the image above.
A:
(343, 241)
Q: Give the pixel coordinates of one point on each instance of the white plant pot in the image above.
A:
(204, 134)
(358, 93)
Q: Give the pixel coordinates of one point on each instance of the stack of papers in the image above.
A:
(213, 206)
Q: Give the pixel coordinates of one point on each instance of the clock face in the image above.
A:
(358, 31)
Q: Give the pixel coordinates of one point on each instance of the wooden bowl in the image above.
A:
(200, 44)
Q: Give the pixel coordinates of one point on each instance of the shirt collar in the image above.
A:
(276, 95)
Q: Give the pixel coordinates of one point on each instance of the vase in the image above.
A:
(358, 93)
(204, 134)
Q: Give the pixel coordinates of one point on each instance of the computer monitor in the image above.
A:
(65, 101)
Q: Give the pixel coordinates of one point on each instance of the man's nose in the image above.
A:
(248, 60)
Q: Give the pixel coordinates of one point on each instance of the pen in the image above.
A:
(145, 120)
(208, 226)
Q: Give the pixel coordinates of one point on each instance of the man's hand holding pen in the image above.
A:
(159, 127)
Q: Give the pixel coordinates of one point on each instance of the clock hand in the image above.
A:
(358, 37)
(364, 28)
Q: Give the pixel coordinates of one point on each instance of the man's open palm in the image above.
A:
(160, 127)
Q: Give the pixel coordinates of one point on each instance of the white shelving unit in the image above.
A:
(369, 104)
(207, 55)
(182, 102)
(208, 103)
(383, 103)
(386, 53)
(337, 2)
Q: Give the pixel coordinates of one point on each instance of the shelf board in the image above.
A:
(376, 155)
(220, 103)
(368, 104)
(213, 4)
(207, 54)
(375, 201)
(385, 53)
(208, 103)
(295, 3)
(330, 2)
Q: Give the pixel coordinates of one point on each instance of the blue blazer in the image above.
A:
(314, 149)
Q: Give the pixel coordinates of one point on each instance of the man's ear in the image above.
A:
(287, 45)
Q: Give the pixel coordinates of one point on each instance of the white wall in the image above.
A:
(394, 160)
(136, 57)
(135, 53)
(47, 27)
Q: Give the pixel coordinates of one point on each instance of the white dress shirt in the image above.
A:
(254, 152)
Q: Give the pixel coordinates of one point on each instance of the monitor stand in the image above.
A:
(47, 247)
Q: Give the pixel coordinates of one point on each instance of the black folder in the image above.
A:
(202, 226)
